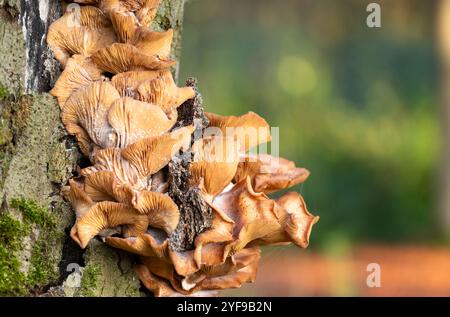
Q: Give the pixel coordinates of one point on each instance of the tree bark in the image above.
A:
(36, 157)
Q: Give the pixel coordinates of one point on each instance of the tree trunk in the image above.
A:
(36, 157)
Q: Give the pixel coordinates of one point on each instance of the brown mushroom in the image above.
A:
(105, 215)
(149, 155)
(249, 129)
(163, 91)
(79, 200)
(214, 164)
(100, 186)
(161, 210)
(270, 174)
(127, 83)
(82, 31)
(133, 120)
(88, 108)
(152, 43)
(79, 72)
(119, 58)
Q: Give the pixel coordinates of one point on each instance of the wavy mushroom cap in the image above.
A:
(249, 129)
(163, 91)
(80, 200)
(215, 163)
(270, 174)
(78, 73)
(133, 120)
(88, 108)
(298, 221)
(104, 215)
(99, 186)
(127, 83)
(145, 10)
(83, 31)
(149, 155)
(111, 160)
(161, 274)
(153, 43)
(162, 212)
(119, 58)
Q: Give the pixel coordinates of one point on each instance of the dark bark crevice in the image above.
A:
(195, 213)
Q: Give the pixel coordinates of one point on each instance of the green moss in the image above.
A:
(11, 232)
(12, 281)
(34, 213)
(3, 92)
(42, 271)
(89, 280)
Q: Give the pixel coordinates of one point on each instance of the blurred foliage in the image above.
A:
(356, 106)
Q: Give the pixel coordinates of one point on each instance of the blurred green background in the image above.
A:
(356, 106)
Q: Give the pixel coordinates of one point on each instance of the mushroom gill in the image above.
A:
(193, 206)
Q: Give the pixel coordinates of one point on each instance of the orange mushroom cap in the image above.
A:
(249, 129)
(82, 31)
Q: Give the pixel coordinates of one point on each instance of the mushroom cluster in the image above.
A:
(168, 182)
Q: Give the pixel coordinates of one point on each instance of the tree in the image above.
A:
(37, 157)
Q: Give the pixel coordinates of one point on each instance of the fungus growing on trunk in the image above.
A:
(193, 207)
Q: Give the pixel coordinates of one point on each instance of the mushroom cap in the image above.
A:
(162, 212)
(79, 72)
(249, 129)
(99, 186)
(83, 31)
(215, 163)
(149, 155)
(162, 91)
(104, 215)
(125, 23)
(88, 108)
(161, 276)
(79, 199)
(133, 120)
(111, 160)
(119, 58)
(147, 11)
(127, 83)
(153, 43)
(270, 174)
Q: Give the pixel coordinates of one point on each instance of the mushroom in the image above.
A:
(119, 58)
(125, 126)
(127, 83)
(249, 129)
(82, 31)
(135, 163)
(133, 120)
(149, 155)
(79, 72)
(211, 155)
(104, 215)
(270, 174)
(162, 211)
(152, 43)
(162, 91)
(88, 108)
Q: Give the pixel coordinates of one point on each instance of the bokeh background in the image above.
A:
(361, 108)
